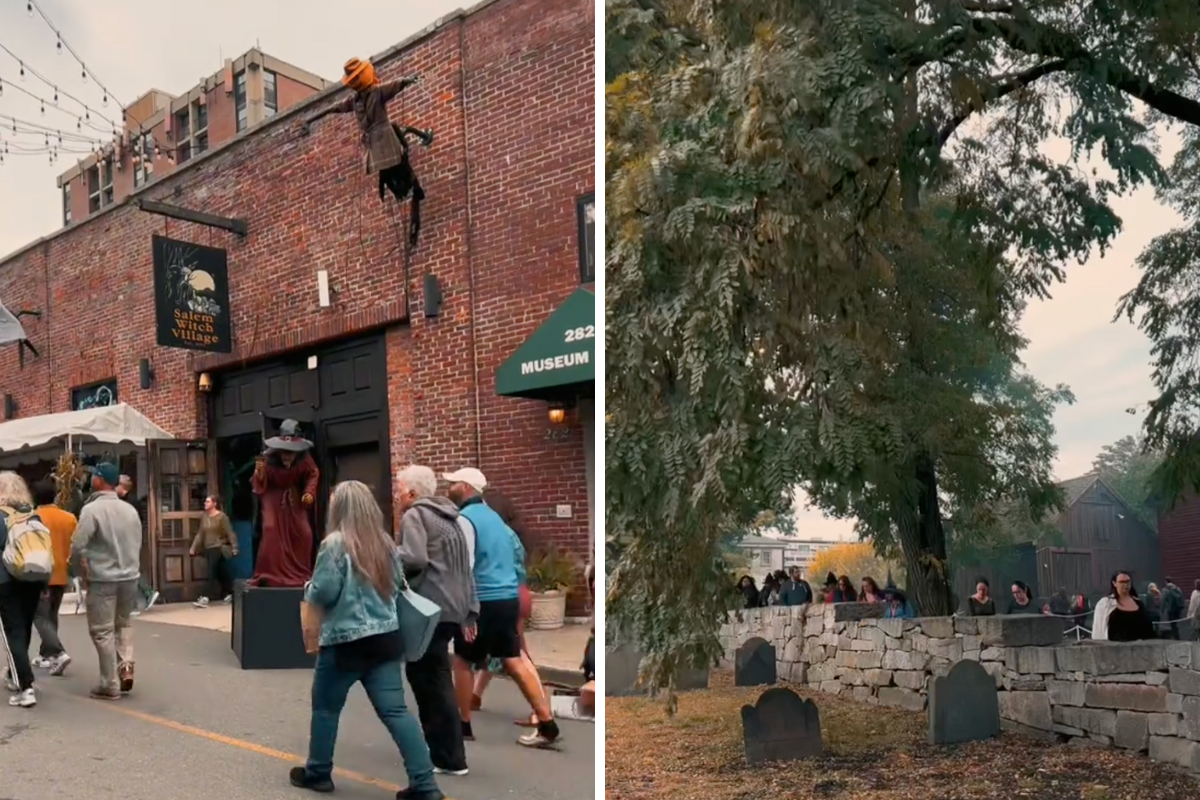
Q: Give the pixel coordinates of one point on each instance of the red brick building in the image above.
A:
(386, 373)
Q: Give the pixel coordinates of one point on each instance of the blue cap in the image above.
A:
(107, 472)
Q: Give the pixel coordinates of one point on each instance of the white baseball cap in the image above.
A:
(468, 475)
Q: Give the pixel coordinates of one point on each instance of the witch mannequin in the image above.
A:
(386, 143)
(285, 479)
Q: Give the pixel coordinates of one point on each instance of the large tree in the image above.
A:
(1128, 466)
(823, 220)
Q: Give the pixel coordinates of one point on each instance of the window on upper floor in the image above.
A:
(270, 93)
(199, 117)
(66, 192)
(183, 153)
(183, 126)
(93, 189)
(585, 212)
(239, 101)
(106, 183)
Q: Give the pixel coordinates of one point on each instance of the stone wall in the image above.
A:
(1142, 696)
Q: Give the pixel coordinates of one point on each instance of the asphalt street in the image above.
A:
(197, 727)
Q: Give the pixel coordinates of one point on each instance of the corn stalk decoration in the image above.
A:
(68, 476)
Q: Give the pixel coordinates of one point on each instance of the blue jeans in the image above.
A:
(385, 688)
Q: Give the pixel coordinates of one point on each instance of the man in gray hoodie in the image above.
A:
(109, 539)
(437, 563)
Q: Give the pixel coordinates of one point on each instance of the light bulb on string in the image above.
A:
(83, 74)
(60, 137)
(78, 124)
(22, 63)
(29, 7)
(43, 102)
(55, 95)
(60, 44)
(1, 88)
(104, 101)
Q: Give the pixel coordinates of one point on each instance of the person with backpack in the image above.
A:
(109, 537)
(26, 562)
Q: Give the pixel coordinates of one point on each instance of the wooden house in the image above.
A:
(1096, 534)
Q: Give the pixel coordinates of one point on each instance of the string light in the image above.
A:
(29, 7)
(60, 45)
(54, 86)
(22, 70)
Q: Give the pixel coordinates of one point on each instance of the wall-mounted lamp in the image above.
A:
(145, 374)
(10, 406)
(205, 383)
(558, 413)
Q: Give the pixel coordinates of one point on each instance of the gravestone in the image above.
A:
(754, 663)
(781, 727)
(963, 705)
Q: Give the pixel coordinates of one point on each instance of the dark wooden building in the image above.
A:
(1096, 535)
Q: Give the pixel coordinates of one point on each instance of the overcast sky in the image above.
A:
(135, 45)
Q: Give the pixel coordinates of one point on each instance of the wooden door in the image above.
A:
(181, 473)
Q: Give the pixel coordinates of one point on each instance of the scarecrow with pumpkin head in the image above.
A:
(386, 142)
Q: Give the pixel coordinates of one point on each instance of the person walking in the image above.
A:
(216, 540)
(499, 571)
(20, 590)
(125, 491)
(61, 524)
(437, 564)
(109, 538)
(354, 586)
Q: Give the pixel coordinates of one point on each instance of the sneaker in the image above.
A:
(59, 665)
(10, 684)
(23, 699)
(455, 772)
(301, 778)
(41, 662)
(228, 599)
(125, 673)
(103, 693)
(546, 737)
(153, 599)
(201, 602)
(468, 734)
(413, 794)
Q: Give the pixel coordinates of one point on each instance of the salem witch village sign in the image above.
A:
(191, 296)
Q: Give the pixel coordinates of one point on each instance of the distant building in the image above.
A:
(162, 131)
(768, 554)
(1096, 534)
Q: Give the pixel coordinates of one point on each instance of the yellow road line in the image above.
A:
(251, 747)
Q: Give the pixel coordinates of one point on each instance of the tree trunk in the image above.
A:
(923, 539)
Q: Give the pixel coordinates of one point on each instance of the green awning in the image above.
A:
(561, 352)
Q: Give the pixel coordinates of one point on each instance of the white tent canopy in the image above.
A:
(109, 424)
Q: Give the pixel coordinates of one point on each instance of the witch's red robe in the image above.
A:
(285, 552)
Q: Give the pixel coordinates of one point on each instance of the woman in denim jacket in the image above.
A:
(354, 583)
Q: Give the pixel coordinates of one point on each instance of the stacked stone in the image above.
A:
(1142, 696)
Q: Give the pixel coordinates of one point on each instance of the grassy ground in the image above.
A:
(872, 753)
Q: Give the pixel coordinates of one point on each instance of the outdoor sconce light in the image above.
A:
(145, 374)
(205, 383)
(558, 414)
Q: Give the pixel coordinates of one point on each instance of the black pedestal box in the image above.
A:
(266, 628)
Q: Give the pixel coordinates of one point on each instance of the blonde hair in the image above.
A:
(13, 490)
(355, 515)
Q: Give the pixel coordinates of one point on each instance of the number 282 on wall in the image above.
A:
(580, 334)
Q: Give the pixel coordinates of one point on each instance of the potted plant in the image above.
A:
(550, 575)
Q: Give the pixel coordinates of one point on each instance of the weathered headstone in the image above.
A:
(963, 705)
(781, 727)
(754, 663)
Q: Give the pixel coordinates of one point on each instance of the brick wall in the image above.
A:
(509, 90)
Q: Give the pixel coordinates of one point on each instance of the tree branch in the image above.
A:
(1036, 39)
(998, 91)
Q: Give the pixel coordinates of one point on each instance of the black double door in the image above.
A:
(340, 403)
